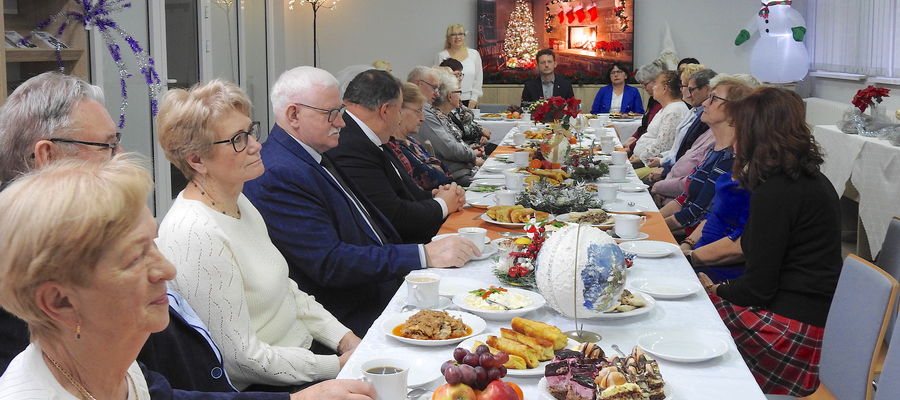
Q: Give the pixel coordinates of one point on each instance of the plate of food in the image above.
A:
(666, 288)
(683, 345)
(491, 117)
(630, 304)
(530, 345)
(432, 327)
(621, 207)
(496, 183)
(482, 202)
(593, 217)
(650, 248)
(495, 168)
(516, 215)
(451, 286)
(499, 303)
(483, 187)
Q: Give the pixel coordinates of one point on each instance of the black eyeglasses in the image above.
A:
(712, 98)
(457, 34)
(433, 87)
(239, 140)
(113, 147)
(457, 91)
(692, 89)
(332, 113)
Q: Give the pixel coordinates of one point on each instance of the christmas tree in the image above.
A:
(520, 44)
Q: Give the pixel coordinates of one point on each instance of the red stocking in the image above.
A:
(579, 12)
(592, 11)
(570, 15)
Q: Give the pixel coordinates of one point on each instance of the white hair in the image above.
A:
(39, 109)
(292, 86)
(420, 72)
(745, 79)
(448, 83)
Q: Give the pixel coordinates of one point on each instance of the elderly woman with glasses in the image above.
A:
(445, 136)
(83, 271)
(270, 332)
(455, 47)
(428, 172)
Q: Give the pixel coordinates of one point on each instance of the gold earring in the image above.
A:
(77, 331)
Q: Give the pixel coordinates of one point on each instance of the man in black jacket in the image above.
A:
(547, 84)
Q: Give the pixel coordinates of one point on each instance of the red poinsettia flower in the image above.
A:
(869, 96)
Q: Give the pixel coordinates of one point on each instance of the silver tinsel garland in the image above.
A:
(855, 122)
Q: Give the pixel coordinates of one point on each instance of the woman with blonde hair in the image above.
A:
(81, 268)
(472, 75)
(228, 269)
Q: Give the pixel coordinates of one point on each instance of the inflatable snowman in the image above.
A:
(780, 55)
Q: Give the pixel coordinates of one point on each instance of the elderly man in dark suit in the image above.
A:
(338, 245)
(371, 98)
(547, 84)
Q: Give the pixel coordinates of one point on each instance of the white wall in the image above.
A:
(410, 32)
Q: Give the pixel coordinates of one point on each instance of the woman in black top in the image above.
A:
(776, 312)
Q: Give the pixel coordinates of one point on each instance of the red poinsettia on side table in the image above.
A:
(870, 96)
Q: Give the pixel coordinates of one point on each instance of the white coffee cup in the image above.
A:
(607, 191)
(526, 116)
(520, 158)
(628, 226)
(619, 157)
(388, 376)
(422, 289)
(519, 138)
(597, 123)
(475, 235)
(506, 197)
(514, 180)
(617, 172)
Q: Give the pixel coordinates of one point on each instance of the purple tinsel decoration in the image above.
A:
(98, 15)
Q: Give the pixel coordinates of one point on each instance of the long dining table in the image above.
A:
(726, 376)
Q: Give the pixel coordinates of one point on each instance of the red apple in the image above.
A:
(459, 391)
(498, 390)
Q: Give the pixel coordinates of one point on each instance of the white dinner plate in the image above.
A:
(451, 286)
(481, 202)
(495, 168)
(632, 187)
(485, 218)
(608, 225)
(606, 179)
(640, 236)
(489, 182)
(422, 371)
(666, 288)
(537, 301)
(392, 321)
(651, 304)
(683, 345)
(621, 207)
(650, 248)
(536, 371)
(491, 118)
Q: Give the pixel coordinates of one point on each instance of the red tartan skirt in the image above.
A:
(783, 354)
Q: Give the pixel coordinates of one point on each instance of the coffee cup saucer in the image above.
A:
(640, 236)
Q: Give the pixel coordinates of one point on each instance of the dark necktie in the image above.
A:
(329, 166)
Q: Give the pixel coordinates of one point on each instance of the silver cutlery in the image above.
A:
(618, 350)
(415, 393)
(489, 301)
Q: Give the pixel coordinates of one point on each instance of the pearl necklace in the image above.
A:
(84, 392)
(213, 203)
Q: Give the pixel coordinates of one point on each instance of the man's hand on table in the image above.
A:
(452, 251)
(337, 389)
(453, 195)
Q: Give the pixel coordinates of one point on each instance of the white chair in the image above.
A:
(854, 332)
(889, 260)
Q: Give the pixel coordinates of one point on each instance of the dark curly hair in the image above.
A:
(772, 137)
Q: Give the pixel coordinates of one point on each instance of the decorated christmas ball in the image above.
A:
(580, 269)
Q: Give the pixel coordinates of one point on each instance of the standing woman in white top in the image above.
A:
(228, 268)
(663, 129)
(78, 264)
(455, 47)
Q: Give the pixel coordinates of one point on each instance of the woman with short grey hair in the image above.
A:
(445, 136)
(646, 75)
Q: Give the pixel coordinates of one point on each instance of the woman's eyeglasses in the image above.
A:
(239, 140)
(113, 147)
(457, 34)
(712, 98)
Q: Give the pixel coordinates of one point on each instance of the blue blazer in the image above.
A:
(631, 100)
(331, 252)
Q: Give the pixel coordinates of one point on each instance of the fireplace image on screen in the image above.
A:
(582, 37)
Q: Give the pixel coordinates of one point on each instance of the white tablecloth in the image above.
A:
(873, 166)
(723, 377)
(499, 129)
(626, 128)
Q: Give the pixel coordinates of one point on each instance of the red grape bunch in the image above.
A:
(474, 369)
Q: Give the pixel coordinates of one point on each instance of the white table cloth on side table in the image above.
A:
(626, 128)
(872, 165)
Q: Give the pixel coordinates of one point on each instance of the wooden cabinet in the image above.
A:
(20, 64)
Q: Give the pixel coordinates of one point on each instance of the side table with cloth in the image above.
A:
(709, 380)
(872, 166)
